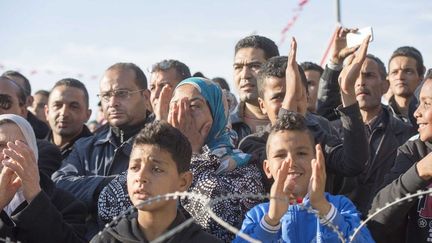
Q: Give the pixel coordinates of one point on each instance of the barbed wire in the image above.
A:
(209, 202)
(419, 194)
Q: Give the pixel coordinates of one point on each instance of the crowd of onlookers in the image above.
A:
(343, 140)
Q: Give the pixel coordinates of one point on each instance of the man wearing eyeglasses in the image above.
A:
(97, 159)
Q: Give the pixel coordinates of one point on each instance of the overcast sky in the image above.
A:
(49, 40)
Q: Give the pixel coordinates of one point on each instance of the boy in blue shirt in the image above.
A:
(298, 167)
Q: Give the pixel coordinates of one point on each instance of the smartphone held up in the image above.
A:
(356, 38)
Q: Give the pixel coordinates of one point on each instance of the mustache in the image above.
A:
(362, 91)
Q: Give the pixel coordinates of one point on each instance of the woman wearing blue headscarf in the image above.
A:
(198, 111)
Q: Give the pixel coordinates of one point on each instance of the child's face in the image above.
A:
(297, 147)
(152, 172)
(423, 114)
(274, 93)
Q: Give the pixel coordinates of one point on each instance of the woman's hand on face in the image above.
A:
(9, 184)
(180, 117)
(23, 163)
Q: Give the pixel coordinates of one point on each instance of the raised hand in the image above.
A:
(424, 167)
(317, 183)
(161, 108)
(280, 195)
(9, 185)
(351, 72)
(23, 163)
(295, 93)
(340, 49)
(180, 117)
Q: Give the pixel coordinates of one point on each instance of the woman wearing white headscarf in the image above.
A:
(32, 209)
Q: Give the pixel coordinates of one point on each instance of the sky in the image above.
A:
(51, 40)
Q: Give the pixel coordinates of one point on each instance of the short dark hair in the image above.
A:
(198, 75)
(290, 121)
(256, 41)
(222, 83)
(409, 51)
(71, 82)
(312, 66)
(275, 67)
(42, 92)
(428, 74)
(15, 74)
(141, 79)
(381, 66)
(19, 90)
(181, 69)
(163, 135)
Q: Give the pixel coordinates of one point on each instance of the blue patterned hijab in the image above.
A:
(219, 138)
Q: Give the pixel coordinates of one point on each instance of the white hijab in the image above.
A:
(30, 138)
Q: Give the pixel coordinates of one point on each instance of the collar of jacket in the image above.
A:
(85, 132)
(108, 135)
(311, 119)
(236, 115)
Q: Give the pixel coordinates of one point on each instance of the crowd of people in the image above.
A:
(329, 145)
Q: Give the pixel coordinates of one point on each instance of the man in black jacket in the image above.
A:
(67, 111)
(385, 134)
(96, 160)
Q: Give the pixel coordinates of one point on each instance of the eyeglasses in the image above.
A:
(120, 94)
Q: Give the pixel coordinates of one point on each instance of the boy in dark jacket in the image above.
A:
(159, 164)
(411, 220)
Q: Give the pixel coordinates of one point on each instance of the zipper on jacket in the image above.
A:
(121, 136)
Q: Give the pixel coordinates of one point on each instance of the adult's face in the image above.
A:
(67, 111)
(122, 109)
(274, 93)
(313, 78)
(369, 86)
(21, 82)
(200, 111)
(9, 132)
(158, 80)
(247, 63)
(38, 106)
(403, 76)
(9, 101)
